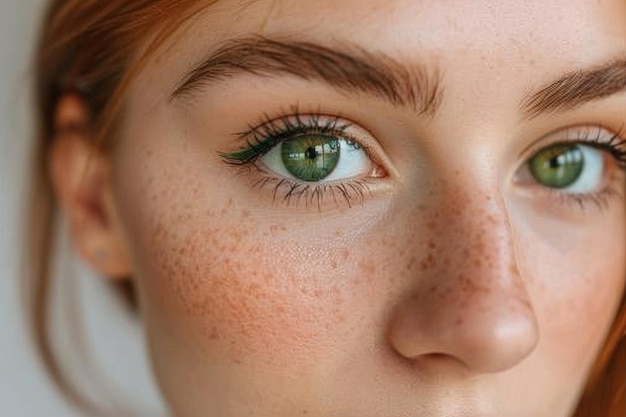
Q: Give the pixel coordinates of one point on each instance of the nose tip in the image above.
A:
(482, 338)
(494, 342)
(502, 346)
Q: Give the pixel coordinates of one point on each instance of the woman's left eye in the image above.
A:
(581, 166)
(315, 157)
(571, 168)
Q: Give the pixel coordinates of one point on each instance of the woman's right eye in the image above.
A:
(312, 157)
(317, 157)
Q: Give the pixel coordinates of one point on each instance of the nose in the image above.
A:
(468, 301)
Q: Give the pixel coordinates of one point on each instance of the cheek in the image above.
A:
(227, 284)
(576, 283)
(243, 284)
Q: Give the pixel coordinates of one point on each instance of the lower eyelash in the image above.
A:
(600, 199)
(294, 193)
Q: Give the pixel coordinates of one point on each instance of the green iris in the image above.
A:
(311, 157)
(558, 166)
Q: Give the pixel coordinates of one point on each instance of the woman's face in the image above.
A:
(378, 208)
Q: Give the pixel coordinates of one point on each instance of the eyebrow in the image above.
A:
(351, 70)
(577, 88)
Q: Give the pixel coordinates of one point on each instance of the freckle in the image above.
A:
(459, 321)
(277, 228)
(339, 232)
(368, 267)
(412, 262)
(214, 334)
(334, 264)
(245, 213)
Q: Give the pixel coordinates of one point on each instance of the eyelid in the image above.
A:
(270, 131)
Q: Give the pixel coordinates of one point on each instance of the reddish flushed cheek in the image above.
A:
(240, 292)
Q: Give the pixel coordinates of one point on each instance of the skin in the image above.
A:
(452, 289)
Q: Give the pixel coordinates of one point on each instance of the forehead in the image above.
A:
(554, 35)
(431, 24)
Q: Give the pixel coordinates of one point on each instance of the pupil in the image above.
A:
(310, 153)
(554, 163)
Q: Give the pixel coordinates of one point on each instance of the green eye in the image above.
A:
(311, 157)
(559, 166)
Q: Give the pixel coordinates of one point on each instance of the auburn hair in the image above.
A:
(90, 48)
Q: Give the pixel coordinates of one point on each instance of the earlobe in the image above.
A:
(80, 174)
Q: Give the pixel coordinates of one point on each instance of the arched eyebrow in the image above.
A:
(347, 68)
(577, 88)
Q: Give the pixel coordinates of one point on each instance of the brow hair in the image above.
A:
(350, 69)
(577, 88)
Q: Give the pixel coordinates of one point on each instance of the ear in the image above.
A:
(81, 179)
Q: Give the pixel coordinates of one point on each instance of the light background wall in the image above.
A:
(113, 339)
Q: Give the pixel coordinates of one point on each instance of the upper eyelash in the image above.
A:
(615, 145)
(314, 194)
(272, 131)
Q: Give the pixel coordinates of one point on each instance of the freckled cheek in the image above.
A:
(240, 294)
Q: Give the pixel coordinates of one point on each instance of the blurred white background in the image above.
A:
(114, 340)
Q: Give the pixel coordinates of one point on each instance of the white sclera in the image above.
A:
(590, 178)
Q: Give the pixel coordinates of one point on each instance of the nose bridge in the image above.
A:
(474, 237)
